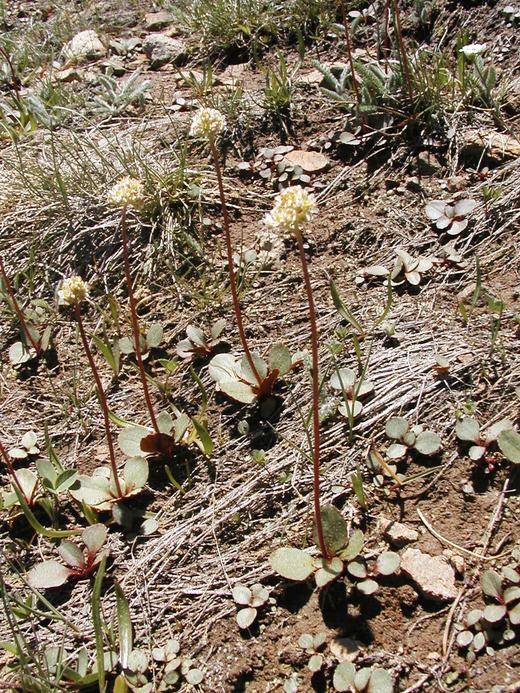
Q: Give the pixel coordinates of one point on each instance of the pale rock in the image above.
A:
(83, 47)
(345, 649)
(157, 20)
(161, 49)
(310, 162)
(433, 575)
(495, 145)
(398, 534)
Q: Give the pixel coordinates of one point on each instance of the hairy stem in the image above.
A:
(18, 310)
(135, 323)
(315, 399)
(102, 397)
(231, 270)
(10, 468)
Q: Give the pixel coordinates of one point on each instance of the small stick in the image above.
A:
(17, 309)
(135, 322)
(102, 397)
(10, 468)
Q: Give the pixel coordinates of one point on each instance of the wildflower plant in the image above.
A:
(483, 444)
(251, 599)
(450, 217)
(208, 124)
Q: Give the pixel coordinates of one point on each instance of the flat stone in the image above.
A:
(495, 145)
(83, 47)
(432, 575)
(310, 162)
(161, 50)
(345, 649)
(114, 66)
(398, 534)
(124, 46)
(154, 21)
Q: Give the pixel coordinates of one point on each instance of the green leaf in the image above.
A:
(18, 354)
(71, 554)
(130, 438)
(428, 443)
(194, 677)
(36, 525)
(367, 586)
(247, 371)
(48, 574)
(335, 533)
(396, 451)
(280, 358)
(328, 571)
(124, 625)
(380, 681)
(110, 355)
(245, 617)
(315, 663)
(135, 473)
(496, 429)
(468, 428)
(343, 678)
(354, 546)
(343, 310)
(388, 562)
(509, 444)
(203, 439)
(396, 427)
(491, 584)
(94, 537)
(494, 613)
(291, 563)
(195, 335)
(126, 345)
(343, 379)
(357, 569)
(241, 594)
(240, 392)
(154, 336)
(98, 624)
(164, 422)
(223, 367)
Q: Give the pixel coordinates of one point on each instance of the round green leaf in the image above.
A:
(194, 677)
(343, 678)
(388, 562)
(155, 335)
(494, 613)
(315, 663)
(343, 379)
(130, 440)
(280, 358)
(428, 443)
(354, 546)
(306, 641)
(362, 678)
(71, 554)
(241, 594)
(223, 367)
(135, 473)
(396, 451)
(396, 427)
(476, 452)
(367, 586)
(291, 563)
(94, 537)
(514, 615)
(464, 638)
(357, 569)
(491, 584)
(509, 444)
(245, 617)
(380, 681)
(328, 571)
(259, 595)
(468, 428)
(240, 392)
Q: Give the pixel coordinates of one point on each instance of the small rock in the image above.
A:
(157, 20)
(310, 77)
(69, 74)
(456, 561)
(83, 47)
(310, 162)
(345, 649)
(433, 575)
(414, 185)
(397, 533)
(161, 49)
(456, 183)
(114, 66)
(124, 46)
(491, 144)
(427, 164)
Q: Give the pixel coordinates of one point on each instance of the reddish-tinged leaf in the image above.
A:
(160, 444)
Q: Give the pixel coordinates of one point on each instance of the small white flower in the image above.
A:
(72, 290)
(207, 122)
(128, 192)
(293, 207)
(473, 49)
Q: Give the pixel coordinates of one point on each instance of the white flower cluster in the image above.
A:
(271, 248)
(293, 207)
(473, 49)
(207, 122)
(73, 290)
(128, 192)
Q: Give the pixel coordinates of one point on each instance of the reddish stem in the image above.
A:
(315, 399)
(18, 310)
(402, 50)
(387, 36)
(10, 468)
(135, 323)
(231, 270)
(102, 398)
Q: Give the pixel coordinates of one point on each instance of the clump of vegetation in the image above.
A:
(197, 344)
(408, 437)
(313, 644)
(365, 680)
(483, 444)
(483, 630)
(406, 269)
(252, 599)
(452, 217)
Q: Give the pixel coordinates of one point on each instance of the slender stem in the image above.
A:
(17, 309)
(231, 270)
(402, 50)
(355, 85)
(10, 468)
(135, 323)
(14, 78)
(315, 399)
(387, 35)
(102, 397)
